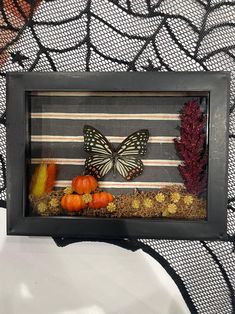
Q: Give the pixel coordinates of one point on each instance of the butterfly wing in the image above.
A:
(128, 162)
(129, 167)
(95, 142)
(100, 161)
(98, 165)
(134, 144)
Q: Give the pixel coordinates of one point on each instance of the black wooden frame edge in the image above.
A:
(214, 82)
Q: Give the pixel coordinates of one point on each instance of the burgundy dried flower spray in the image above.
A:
(191, 147)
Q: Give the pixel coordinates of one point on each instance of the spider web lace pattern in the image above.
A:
(134, 35)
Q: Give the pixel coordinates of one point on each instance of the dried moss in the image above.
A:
(48, 204)
(169, 202)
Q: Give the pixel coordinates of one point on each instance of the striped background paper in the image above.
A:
(57, 121)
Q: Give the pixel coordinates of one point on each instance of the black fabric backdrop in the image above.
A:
(51, 125)
(138, 35)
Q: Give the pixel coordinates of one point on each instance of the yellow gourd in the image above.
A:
(39, 179)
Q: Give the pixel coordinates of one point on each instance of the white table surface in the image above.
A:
(37, 277)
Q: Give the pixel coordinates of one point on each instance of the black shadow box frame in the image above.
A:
(18, 223)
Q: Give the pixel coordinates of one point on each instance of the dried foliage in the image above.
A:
(191, 148)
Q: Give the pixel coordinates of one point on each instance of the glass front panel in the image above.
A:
(122, 155)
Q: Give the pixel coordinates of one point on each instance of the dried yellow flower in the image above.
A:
(68, 190)
(172, 208)
(202, 211)
(160, 197)
(54, 202)
(87, 198)
(148, 203)
(135, 203)
(165, 213)
(188, 199)
(175, 197)
(111, 207)
(42, 207)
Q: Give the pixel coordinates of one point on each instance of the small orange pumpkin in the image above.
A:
(84, 184)
(72, 202)
(100, 200)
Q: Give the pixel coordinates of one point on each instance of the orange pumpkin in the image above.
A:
(100, 200)
(84, 184)
(72, 202)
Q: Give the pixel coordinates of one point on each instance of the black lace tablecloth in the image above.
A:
(135, 35)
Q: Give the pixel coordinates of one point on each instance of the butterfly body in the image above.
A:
(103, 157)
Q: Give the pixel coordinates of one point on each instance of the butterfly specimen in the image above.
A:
(125, 159)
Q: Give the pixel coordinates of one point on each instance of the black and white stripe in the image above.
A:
(57, 125)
